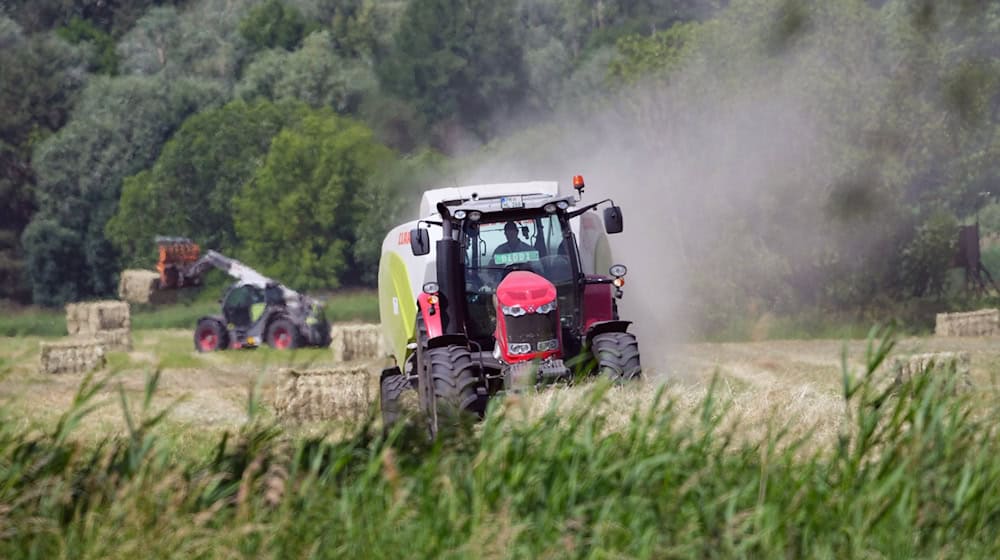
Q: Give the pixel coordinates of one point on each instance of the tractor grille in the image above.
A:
(532, 328)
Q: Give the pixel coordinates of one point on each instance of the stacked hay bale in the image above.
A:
(108, 322)
(356, 342)
(139, 286)
(72, 356)
(952, 363)
(342, 394)
(985, 322)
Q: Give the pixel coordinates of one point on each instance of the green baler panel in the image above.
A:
(397, 307)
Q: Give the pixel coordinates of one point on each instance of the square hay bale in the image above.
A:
(342, 394)
(72, 356)
(138, 286)
(87, 319)
(115, 339)
(936, 363)
(985, 322)
(356, 342)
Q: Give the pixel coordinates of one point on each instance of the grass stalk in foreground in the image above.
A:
(914, 475)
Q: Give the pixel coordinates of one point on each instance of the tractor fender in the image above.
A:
(447, 340)
(606, 327)
(431, 313)
(389, 372)
(217, 318)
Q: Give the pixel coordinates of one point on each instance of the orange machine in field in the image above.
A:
(177, 255)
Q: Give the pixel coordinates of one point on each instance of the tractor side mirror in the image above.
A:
(613, 221)
(420, 242)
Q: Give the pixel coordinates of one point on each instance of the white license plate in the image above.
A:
(511, 202)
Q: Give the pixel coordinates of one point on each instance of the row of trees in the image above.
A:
(799, 152)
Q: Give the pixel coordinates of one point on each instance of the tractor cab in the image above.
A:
(497, 245)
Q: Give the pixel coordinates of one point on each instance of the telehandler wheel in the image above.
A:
(282, 334)
(393, 388)
(454, 378)
(210, 335)
(617, 355)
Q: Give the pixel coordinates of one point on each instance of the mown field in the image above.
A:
(739, 449)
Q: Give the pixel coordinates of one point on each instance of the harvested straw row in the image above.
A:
(72, 356)
(985, 322)
(356, 342)
(342, 394)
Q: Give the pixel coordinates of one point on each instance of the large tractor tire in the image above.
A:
(282, 334)
(210, 335)
(453, 379)
(393, 388)
(617, 356)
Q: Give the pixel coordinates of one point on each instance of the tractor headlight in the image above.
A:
(546, 307)
(546, 345)
(475, 215)
(618, 270)
(459, 214)
(519, 348)
(550, 208)
(562, 204)
(513, 310)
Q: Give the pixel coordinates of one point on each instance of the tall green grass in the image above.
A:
(915, 475)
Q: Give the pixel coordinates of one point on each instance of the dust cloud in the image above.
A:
(690, 160)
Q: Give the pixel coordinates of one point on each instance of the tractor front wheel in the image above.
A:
(394, 386)
(210, 335)
(617, 355)
(282, 334)
(454, 379)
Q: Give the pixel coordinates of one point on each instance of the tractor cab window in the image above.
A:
(239, 306)
(494, 249)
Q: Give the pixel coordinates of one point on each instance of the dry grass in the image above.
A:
(767, 385)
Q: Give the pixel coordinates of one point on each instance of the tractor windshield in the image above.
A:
(493, 249)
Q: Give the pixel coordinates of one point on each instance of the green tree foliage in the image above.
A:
(116, 130)
(104, 59)
(297, 216)
(42, 76)
(190, 190)
(200, 41)
(111, 16)
(314, 74)
(459, 61)
(274, 24)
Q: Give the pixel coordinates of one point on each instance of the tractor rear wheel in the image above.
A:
(282, 334)
(210, 335)
(453, 378)
(617, 355)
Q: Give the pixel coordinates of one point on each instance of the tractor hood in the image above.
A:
(525, 289)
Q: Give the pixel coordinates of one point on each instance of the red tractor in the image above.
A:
(512, 303)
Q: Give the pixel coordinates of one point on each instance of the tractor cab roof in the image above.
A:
(485, 197)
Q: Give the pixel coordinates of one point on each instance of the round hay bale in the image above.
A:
(138, 286)
(71, 356)
(342, 394)
(356, 342)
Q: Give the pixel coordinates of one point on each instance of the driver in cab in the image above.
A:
(513, 244)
